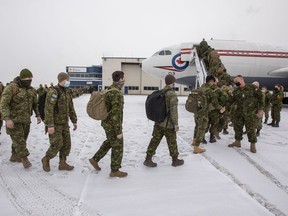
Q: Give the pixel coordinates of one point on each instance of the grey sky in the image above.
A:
(48, 35)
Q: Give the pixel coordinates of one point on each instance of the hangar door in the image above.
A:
(133, 80)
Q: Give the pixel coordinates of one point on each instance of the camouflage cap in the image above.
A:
(25, 73)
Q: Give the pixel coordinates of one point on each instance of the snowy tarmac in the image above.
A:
(222, 181)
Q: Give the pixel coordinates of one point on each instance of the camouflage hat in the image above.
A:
(169, 79)
(25, 73)
(62, 76)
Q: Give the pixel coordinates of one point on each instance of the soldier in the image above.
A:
(1, 91)
(40, 91)
(113, 128)
(201, 119)
(167, 128)
(276, 102)
(58, 109)
(248, 109)
(18, 101)
(267, 100)
(259, 125)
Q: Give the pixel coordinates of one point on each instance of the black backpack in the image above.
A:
(156, 106)
(42, 100)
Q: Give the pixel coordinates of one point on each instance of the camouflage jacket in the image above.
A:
(212, 97)
(247, 99)
(59, 108)
(276, 98)
(40, 91)
(115, 105)
(171, 108)
(18, 103)
(267, 99)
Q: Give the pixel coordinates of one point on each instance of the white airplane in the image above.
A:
(255, 62)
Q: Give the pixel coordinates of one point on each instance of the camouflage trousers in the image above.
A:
(19, 134)
(60, 142)
(275, 113)
(116, 146)
(201, 123)
(266, 113)
(250, 121)
(213, 121)
(157, 135)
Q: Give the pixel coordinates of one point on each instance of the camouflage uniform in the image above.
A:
(267, 101)
(276, 101)
(58, 110)
(248, 101)
(17, 104)
(167, 127)
(40, 91)
(113, 127)
(201, 119)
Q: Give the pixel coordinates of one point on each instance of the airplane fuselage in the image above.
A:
(266, 64)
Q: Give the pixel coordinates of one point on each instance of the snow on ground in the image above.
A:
(222, 181)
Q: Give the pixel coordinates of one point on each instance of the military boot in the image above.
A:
(45, 164)
(272, 123)
(148, 162)
(265, 122)
(26, 163)
(217, 135)
(64, 166)
(204, 141)
(225, 131)
(118, 174)
(177, 162)
(253, 147)
(212, 138)
(193, 142)
(94, 163)
(237, 144)
(197, 150)
(15, 158)
(258, 132)
(276, 124)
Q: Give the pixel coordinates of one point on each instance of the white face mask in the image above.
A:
(66, 84)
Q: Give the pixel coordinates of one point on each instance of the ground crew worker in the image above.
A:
(113, 128)
(267, 101)
(248, 109)
(18, 102)
(276, 102)
(167, 128)
(201, 118)
(58, 109)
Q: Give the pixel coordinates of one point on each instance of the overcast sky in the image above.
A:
(45, 36)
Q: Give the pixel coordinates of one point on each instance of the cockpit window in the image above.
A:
(162, 52)
(168, 52)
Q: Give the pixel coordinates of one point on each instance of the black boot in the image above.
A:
(148, 162)
(272, 123)
(258, 132)
(204, 141)
(276, 125)
(177, 162)
(212, 138)
(265, 122)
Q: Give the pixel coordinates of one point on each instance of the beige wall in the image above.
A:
(134, 76)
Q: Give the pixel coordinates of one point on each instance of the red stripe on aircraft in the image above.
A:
(248, 53)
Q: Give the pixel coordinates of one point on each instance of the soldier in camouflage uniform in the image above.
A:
(201, 118)
(276, 102)
(1, 91)
(58, 109)
(167, 128)
(113, 128)
(267, 101)
(18, 102)
(249, 108)
(40, 90)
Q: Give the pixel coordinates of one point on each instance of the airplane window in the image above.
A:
(168, 52)
(162, 52)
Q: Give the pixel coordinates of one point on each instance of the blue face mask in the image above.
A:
(66, 84)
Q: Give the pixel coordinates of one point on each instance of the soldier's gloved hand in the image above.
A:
(74, 126)
(38, 120)
(51, 130)
(9, 123)
(120, 136)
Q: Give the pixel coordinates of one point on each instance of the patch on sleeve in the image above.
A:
(53, 97)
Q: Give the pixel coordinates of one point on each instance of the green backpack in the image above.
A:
(196, 100)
